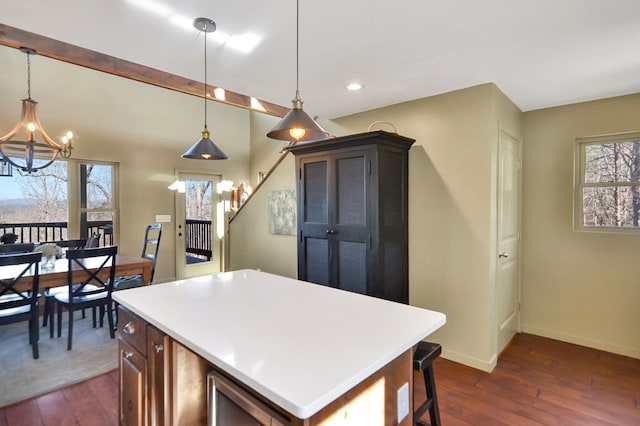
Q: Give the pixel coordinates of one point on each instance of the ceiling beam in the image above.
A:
(44, 46)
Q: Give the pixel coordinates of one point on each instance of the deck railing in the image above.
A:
(198, 238)
(56, 231)
(197, 233)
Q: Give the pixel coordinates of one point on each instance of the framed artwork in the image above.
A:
(282, 212)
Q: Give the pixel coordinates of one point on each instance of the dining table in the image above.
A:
(56, 275)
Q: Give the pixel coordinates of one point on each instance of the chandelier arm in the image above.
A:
(40, 130)
(26, 167)
(15, 130)
(47, 164)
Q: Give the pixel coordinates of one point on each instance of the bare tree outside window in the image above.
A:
(37, 197)
(198, 219)
(97, 209)
(199, 199)
(609, 184)
(35, 206)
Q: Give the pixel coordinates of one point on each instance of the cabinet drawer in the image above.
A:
(133, 330)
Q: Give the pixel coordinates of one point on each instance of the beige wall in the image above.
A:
(451, 206)
(143, 128)
(452, 210)
(264, 151)
(251, 245)
(578, 287)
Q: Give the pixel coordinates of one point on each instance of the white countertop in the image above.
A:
(301, 345)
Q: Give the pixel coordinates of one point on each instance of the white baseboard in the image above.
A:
(479, 364)
(582, 341)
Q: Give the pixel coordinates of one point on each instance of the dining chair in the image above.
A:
(50, 292)
(150, 246)
(17, 305)
(16, 248)
(93, 241)
(71, 244)
(88, 287)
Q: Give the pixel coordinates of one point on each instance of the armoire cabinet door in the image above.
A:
(334, 219)
(351, 234)
(313, 220)
(352, 213)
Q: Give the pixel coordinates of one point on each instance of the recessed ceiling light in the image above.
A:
(244, 43)
(182, 21)
(152, 6)
(354, 86)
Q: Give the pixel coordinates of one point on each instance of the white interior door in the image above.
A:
(198, 249)
(508, 262)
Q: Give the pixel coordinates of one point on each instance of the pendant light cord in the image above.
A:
(205, 75)
(297, 48)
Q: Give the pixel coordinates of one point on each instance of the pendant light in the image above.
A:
(22, 153)
(297, 126)
(205, 149)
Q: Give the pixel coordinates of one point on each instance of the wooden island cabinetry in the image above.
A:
(251, 348)
(151, 366)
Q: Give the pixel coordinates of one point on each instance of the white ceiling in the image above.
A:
(540, 53)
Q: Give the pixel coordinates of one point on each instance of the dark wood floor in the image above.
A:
(93, 402)
(538, 381)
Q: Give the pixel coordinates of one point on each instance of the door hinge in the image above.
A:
(300, 173)
(301, 235)
(370, 167)
(370, 242)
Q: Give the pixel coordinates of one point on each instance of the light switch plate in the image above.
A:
(163, 218)
(403, 402)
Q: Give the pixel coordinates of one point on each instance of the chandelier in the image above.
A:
(26, 153)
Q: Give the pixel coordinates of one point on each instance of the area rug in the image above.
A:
(22, 377)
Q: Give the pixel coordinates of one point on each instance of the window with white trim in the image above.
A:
(607, 196)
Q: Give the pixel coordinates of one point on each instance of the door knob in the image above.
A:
(503, 255)
(331, 231)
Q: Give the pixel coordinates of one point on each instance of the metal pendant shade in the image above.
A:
(297, 126)
(205, 149)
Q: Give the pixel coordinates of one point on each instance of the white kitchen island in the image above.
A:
(298, 347)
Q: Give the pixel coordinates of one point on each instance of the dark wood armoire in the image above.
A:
(352, 195)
